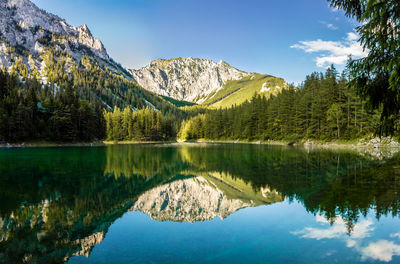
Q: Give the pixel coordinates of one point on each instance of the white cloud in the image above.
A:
(331, 26)
(351, 36)
(382, 250)
(333, 52)
(337, 230)
(326, 61)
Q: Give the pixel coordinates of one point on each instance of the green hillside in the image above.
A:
(177, 103)
(237, 92)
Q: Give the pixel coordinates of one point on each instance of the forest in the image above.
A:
(30, 111)
(323, 108)
(142, 125)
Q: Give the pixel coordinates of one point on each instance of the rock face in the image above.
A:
(189, 200)
(87, 244)
(26, 31)
(187, 79)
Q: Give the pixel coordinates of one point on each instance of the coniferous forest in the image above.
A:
(323, 108)
(142, 125)
(32, 111)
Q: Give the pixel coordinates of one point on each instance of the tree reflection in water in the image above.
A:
(57, 203)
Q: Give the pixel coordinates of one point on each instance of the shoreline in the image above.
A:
(374, 143)
(46, 144)
(361, 144)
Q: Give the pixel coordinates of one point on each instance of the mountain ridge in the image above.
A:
(186, 79)
(32, 30)
(205, 82)
(40, 45)
(35, 44)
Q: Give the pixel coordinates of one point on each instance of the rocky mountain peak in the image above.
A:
(187, 200)
(85, 29)
(188, 79)
(32, 30)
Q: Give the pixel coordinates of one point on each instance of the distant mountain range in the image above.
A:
(32, 39)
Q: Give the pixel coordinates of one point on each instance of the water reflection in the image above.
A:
(59, 203)
(201, 198)
(382, 250)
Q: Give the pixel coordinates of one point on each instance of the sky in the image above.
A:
(285, 38)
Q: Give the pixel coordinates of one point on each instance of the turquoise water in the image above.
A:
(199, 203)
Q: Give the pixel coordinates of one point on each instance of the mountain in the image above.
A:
(239, 91)
(27, 31)
(186, 79)
(204, 81)
(201, 198)
(37, 45)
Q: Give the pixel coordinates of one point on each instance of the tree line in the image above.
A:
(142, 125)
(323, 108)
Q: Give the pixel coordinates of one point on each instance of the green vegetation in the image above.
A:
(323, 108)
(94, 82)
(239, 91)
(86, 88)
(377, 77)
(178, 103)
(142, 125)
(91, 80)
(29, 112)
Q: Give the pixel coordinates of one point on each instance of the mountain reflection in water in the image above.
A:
(60, 202)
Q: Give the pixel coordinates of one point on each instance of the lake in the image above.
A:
(198, 203)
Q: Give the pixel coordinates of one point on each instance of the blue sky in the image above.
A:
(285, 38)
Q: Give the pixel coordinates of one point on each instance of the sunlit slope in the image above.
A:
(237, 92)
(235, 188)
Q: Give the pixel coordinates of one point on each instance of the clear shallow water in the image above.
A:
(220, 203)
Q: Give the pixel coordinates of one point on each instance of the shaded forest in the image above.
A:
(32, 111)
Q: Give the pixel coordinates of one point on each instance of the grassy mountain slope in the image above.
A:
(237, 92)
(235, 188)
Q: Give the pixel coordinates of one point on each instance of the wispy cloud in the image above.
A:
(329, 25)
(338, 230)
(333, 52)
